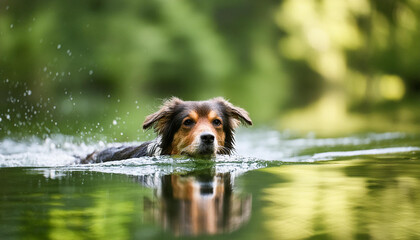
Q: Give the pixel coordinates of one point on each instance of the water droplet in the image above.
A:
(122, 134)
(29, 92)
(58, 46)
(45, 69)
(69, 52)
(90, 72)
(11, 25)
(113, 122)
(0, 119)
(7, 116)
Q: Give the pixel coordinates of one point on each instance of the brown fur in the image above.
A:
(185, 136)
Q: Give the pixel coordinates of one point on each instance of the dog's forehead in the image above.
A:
(204, 108)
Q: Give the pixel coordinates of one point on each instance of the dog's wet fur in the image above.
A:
(194, 128)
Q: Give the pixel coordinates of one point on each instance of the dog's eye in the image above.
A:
(188, 122)
(217, 122)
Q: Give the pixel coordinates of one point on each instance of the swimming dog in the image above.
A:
(194, 128)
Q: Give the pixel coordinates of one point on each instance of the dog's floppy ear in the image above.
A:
(159, 118)
(237, 115)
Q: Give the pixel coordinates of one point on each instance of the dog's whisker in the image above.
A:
(223, 150)
(190, 148)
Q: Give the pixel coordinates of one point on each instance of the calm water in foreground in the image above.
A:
(278, 187)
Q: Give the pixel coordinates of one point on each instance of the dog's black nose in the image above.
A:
(207, 138)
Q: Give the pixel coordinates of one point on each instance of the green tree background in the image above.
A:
(98, 67)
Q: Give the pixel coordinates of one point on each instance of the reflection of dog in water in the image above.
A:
(194, 128)
(203, 204)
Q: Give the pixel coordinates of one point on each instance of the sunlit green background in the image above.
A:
(96, 68)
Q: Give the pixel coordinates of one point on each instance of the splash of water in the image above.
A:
(255, 149)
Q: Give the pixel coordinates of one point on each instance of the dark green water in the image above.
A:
(373, 194)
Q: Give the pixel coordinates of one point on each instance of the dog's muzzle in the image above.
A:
(207, 144)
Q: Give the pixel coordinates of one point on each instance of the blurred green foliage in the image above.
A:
(99, 66)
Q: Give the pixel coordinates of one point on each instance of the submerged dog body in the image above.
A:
(193, 128)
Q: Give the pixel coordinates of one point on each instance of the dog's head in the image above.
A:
(197, 128)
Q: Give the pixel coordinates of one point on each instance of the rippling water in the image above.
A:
(277, 184)
(254, 149)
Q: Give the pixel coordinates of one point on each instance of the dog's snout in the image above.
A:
(207, 138)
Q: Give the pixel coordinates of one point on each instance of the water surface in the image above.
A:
(278, 186)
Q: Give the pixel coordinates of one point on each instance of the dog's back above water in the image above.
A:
(194, 128)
